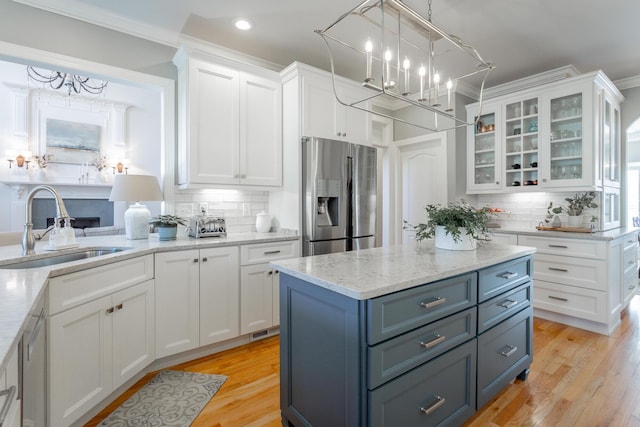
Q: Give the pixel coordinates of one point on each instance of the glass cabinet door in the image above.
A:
(566, 148)
(611, 143)
(484, 150)
(521, 143)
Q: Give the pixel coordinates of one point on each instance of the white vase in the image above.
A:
(445, 240)
(574, 221)
(263, 222)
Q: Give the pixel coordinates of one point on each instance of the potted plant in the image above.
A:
(457, 226)
(574, 208)
(167, 225)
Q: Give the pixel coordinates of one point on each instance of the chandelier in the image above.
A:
(72, 82)
(406, 58)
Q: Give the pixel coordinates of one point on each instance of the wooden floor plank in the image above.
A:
(578, 378)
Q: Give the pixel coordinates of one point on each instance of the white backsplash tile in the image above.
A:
(239, 208)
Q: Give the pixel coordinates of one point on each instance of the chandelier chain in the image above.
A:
(429, 11)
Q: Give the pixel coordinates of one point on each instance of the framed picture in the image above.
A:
(72, 142)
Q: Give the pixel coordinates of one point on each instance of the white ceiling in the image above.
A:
(521, 37)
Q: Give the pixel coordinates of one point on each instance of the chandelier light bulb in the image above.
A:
(368, 48)
(436, 81)
(387, 77)
(449, 86)
(436, 78)
(421, 72)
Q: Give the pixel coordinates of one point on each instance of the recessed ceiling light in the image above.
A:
(243, 24)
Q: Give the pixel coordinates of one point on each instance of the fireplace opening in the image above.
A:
(88, 213)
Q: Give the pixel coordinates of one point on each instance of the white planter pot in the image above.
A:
(574, 221)
(445, 241)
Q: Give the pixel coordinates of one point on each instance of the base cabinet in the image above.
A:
(197, 298)
(426, 360)
(10, 399)
(95, 347)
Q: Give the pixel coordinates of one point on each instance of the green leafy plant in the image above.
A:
(453, 217)
(167, 221)
(575, 206)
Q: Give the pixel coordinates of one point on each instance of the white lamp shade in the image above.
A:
(135, 188)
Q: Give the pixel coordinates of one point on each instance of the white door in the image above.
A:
(219, 294)
(176, 301)
(261, 131)
(133, 331)
(80, 360)
(256, 298)
(423, 178)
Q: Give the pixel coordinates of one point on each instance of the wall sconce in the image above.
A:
(120, 167)
(19, 158)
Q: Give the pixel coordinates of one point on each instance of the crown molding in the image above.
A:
(543, 78)
(628, 83)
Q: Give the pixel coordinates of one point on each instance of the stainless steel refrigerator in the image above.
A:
(339, 196)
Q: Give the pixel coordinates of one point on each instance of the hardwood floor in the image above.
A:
(578, 378)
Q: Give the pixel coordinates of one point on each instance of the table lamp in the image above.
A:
(129, 188)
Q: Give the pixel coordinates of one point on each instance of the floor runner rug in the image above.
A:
(171, 398)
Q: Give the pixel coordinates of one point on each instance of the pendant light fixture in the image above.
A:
(73, 83)
(407, 59)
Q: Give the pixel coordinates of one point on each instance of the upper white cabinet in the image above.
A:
(562, 136)
(319, 112)
(230, 123)
(484, 155)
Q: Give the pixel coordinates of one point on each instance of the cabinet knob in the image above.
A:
(109, 310)
(270, 273)
(195, 260)
(243, 175)
(497, 182)
(119, 306)
(205, 259)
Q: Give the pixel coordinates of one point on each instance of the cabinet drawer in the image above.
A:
(562, 246)
(398, 355)
(71, 290)
(265, 252)
(500, 278)
(497, 309)
(503, 353)
(571, 301)
(393, 314)
(440, 392)
(584, 273)
(630, 259)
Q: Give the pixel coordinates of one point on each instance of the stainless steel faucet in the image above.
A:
(28, 238)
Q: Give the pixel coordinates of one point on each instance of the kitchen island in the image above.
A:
(404, 335)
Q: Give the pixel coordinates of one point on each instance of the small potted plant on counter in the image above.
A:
(574, 208)
(167, 225)
(457, 226)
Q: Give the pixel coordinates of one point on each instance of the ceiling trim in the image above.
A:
(539, 79)
(82, 12)
(628, 83)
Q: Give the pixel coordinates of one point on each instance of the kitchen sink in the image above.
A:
(62, 258)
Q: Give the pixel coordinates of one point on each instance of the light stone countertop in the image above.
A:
(598, 235)
(20, 290)
(375, 272)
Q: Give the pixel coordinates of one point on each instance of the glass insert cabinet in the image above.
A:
(563, 136)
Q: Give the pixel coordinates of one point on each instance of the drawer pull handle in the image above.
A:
(559, 246)
(434, 342)
(564, 270)
(109, 310)
(430, 409)
(558, 298)
(435, 302)
(631, 262)
(632, 287)
(508, 351)
(508, 275)
(508, 303)
(272, 252)
(11, 394)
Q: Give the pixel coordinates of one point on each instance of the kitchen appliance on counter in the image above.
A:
(338, 196)
(207, 226)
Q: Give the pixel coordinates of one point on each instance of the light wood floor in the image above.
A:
(578, 378)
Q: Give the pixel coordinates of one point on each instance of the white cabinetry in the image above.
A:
(9, 396)
(323, 116)
(629, 283)
(484, 154)
(101, 332)
(259, 284)
(558, 137)
(578, 281)
(197, 298)
(230, 123)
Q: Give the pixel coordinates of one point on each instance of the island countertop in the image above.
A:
(375, 272)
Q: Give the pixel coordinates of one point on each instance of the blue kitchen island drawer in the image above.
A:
(495, 280)
(497, 309)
